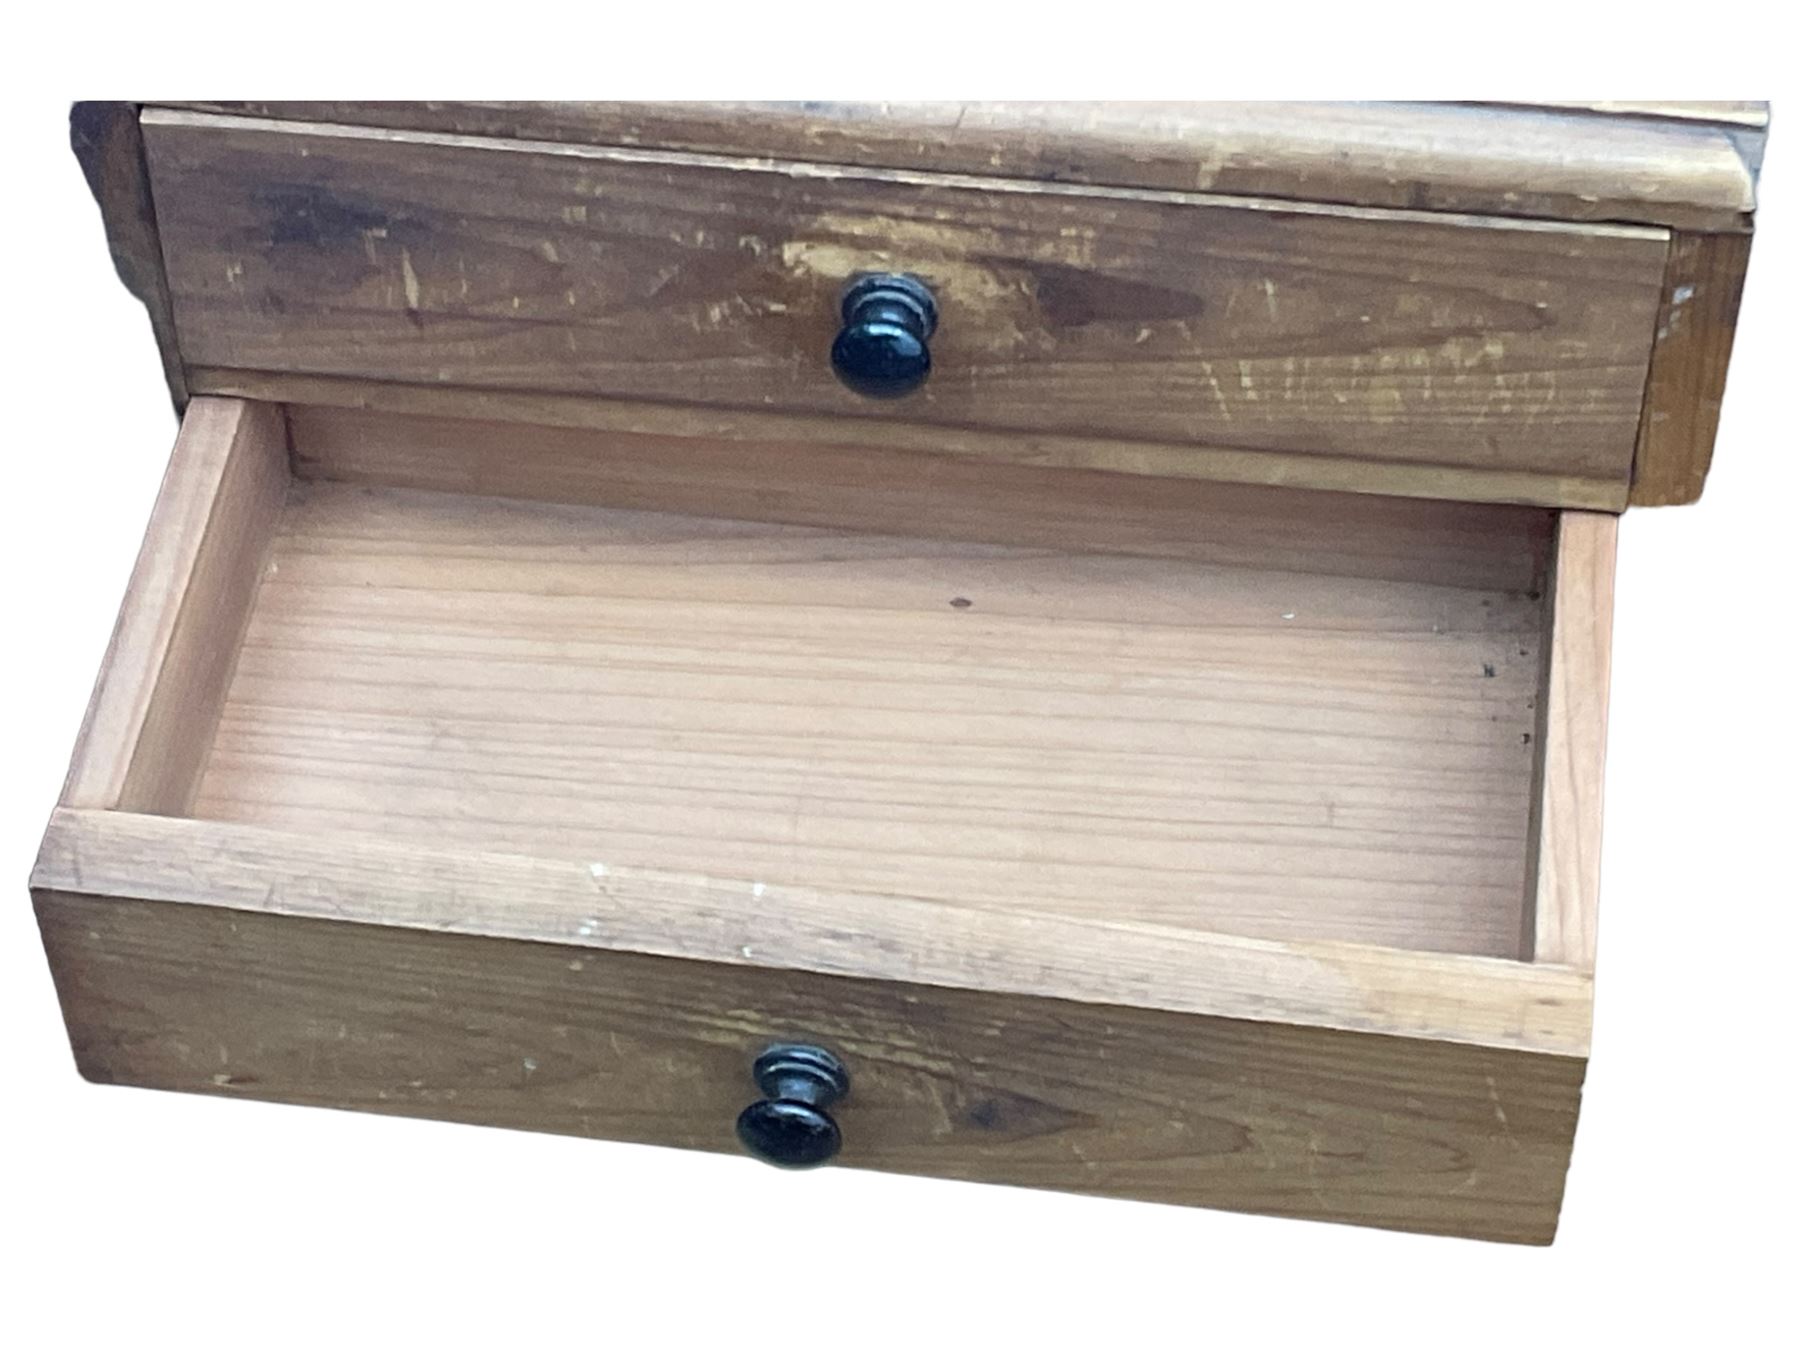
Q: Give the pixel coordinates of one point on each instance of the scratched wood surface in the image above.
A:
(1688, 165)
(1405, 342)
(980, 1086)
(1275, 746)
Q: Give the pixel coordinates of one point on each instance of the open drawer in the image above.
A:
(1203, 843)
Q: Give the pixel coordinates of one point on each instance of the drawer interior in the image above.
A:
(1255, 750)
(1271, 714)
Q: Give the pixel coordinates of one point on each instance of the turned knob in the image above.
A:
(790, 1127)
(882, 351)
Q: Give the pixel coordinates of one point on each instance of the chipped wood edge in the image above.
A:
(1703, 286)
(109, 143)
(1566, 889)
(1221, 464)
(1718, 112)
(163, 679)
(1468, 1000)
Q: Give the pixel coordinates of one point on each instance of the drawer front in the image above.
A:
(979, 1086)
(1149, 332)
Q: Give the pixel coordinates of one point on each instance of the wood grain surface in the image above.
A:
(982, 1086)
(1695, 330)
(109, 145)
(1393, 339)
(1024, 949)
(1172, 845)
(1688, 165)
(1578, 682)
(964, 498)
(771, 431)
(149, 724)
(1245, 748)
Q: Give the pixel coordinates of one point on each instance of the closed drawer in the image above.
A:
(1161, 333)
(1192, 842)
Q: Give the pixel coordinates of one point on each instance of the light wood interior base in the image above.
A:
(1280, 745)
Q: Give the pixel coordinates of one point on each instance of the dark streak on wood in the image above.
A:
(109, 144)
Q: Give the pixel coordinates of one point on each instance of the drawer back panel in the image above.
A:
(1152, 332)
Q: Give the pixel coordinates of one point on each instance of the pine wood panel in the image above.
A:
(1573, 769)
(1391, 339)
(445, 887)
(1695, 331)
(973, 500)
(1551, 161)
(1244, 748)
(755, 427)
(149, 723)
(1114, 1101)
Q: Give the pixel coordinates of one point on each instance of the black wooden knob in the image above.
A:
(881, 350)
(790, 1128)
